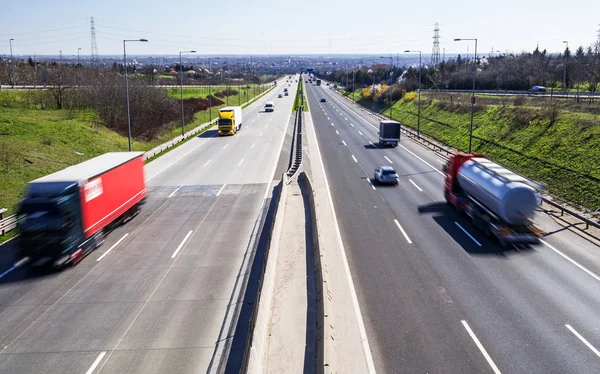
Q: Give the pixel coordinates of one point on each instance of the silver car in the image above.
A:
(386, 175)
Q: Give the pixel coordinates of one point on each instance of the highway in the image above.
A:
(156, 295)
(436, 296)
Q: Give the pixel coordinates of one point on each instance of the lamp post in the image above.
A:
(181, 90)
(373, 90)
(12, 64)
(419, 105)
(565, 68)
(391, 73)
(209, 94)
(127, 86)
(353, 85)
(473, 92)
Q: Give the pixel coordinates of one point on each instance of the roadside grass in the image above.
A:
(300, 95)
(201, 92)
(551, 142)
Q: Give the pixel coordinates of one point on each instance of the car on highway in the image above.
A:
(327, 84)
(279, 96)
(385, 175)
(537, 89)
(286, 93)
(323, 100)
(269, 106)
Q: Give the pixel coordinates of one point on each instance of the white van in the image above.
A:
(269, 106)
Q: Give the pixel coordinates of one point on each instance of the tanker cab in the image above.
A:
(227, 122)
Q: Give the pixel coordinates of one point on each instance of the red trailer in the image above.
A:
(65, 215)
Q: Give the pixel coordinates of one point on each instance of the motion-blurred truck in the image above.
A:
(67, 214)
(389, 133)
(230, 120)
(498, 201)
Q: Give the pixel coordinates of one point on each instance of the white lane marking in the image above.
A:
(337, 132)
(595, 276)
(260, 134)
(414, 184)
(226, 145)
(352, 124)
(174, 192)
(481, 349)
(182, 244)
(403, 232)
(386, 157)
(113, 247)
(355, 160)
(427, 163)
(332, 124)
(370, 142)
(185, 154)
(221, 189)
(17, 265)
(252, 146)
(371, 183)
(345, 118)
(96, 363)
(361, 324)
(207, 162)
(583, 340)
(466, 232)
(344, 142)
(360, 132)
(240, 162)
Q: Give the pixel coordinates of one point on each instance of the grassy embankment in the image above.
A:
(300, 98)
(556, 143)
(36, 142)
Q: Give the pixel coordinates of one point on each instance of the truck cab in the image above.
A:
(230, 120)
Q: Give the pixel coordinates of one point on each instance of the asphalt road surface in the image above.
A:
(153, 298)
(435, 294)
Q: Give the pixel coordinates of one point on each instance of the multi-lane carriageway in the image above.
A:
(154, 297)
(435, 295)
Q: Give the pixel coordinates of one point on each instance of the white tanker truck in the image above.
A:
(499, 202)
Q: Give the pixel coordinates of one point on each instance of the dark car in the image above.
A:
(323, 100)
(536, 89)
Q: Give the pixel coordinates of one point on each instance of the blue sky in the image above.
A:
(289, 27)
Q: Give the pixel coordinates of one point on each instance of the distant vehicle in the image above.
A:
(230, 120)
(385, 175)
(269, 106)
(67, 214)
(327, 84)
(323, 100)
(536, 89)
(285, 90)
(389, 133)
(280, 96)
(318, 82)
(285, 93)
(499, 202)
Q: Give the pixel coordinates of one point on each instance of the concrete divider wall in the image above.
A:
(258, 347)
(326, 359)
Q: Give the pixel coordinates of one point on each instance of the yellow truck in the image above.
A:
(230, 120)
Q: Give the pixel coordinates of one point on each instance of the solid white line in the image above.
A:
(241, 162)
(583, 340)
(360, 132)
(221, 189)
(174, 192)
(483, 351)
(252, 146)
(208, 162)
(386, 157)
(337, 132)
(403, 232)
(182, 244)
(344, 142)
(96, 363)
(427, 163)
(355, 160)
(414, 184)
(226, 145)
(595, 276)
(466, 232)
(113, 247)
(361, 324)
(371, 183)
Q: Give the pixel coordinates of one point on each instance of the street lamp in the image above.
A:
(419, 110)
(12, 64)
(209, 94)
(473, 92)
(565, 68)
(77, 76)
(181, 90)
(127, 86)
(391, 74)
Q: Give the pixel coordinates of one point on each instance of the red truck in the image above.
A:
(67, 214)
(499, 202)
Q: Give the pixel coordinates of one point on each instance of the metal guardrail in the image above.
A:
(296, 153)
(8, 224)
(445, 152)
